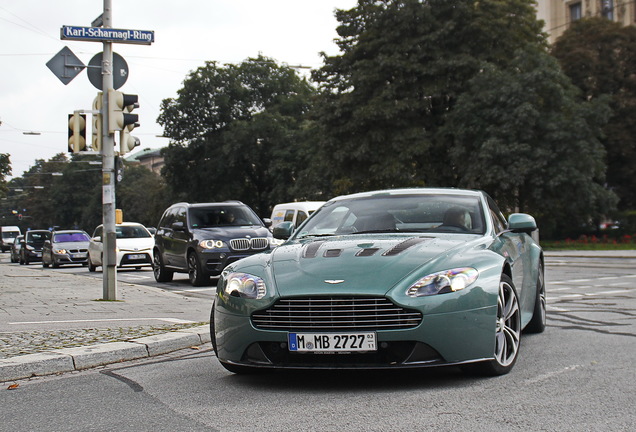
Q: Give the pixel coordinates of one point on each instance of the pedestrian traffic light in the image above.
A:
(96, 142)
(120, 106)
(76, 132)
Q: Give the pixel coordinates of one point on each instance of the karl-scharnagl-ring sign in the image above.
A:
(99, 34)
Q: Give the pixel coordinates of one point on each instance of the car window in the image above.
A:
(37, 237)
(302, 216)
(131, 232)
(289, 216)
(399, 213)
(219, 216)
(498, 220)
(70, 237)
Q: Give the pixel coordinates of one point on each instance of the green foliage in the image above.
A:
(600, 58)
(235, 133)
(141, 195)
(529, 141)
(5, 170)
(402, 67)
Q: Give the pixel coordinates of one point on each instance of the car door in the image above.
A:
(180, 238)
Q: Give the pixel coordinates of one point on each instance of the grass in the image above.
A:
(625, 242)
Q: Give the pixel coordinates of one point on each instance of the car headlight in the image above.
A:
(211, 244)
(245, 285)
(59, 251)
(443, 282)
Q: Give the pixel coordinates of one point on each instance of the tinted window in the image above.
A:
(70, 237)
(210, 217)
(300, 218)
(37, 237)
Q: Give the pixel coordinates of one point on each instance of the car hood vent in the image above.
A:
(401, 247)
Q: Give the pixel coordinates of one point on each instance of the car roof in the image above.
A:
(209, 204)
(411, 191)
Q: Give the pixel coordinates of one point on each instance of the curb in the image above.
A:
(75, 359)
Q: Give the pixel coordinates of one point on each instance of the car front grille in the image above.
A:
(243, 244)
(336, 314)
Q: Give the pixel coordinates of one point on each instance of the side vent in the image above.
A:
(367, 252)
(312, 249)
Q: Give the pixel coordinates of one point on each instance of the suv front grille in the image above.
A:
(243, 244)
(336, 314)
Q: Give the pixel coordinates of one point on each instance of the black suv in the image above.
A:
(201, 239)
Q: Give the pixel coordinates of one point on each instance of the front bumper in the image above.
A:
(134, 259)
(440, 339)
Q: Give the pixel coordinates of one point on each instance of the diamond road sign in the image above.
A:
(99, 34)
(65, 65)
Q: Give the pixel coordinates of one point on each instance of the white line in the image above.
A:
(553, 374)
(170, 320)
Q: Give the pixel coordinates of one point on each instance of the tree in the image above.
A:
(402, 66)
(142, 195)
(234, 132)
(599, 56)
(5, 170)
(530, 141)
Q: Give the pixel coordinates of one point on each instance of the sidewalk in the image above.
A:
(52, 322)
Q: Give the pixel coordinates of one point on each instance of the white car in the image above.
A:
(134, 246)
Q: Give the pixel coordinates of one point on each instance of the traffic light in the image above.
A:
(127, 142)
(76, 132)
(96, 143)
(120, 106)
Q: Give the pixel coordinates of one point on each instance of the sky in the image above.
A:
(34, 103)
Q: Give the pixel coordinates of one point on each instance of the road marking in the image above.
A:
(170, 320)
(552, 374)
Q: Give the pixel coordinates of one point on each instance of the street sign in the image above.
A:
(65, 65)
(120, 71)
(100, 34)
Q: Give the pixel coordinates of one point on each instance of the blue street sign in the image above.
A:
(100, 34)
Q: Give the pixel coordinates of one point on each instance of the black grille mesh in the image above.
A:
(336, 314)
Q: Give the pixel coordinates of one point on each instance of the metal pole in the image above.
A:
(109, 260)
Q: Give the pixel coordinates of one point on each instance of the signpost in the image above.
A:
(113, 72)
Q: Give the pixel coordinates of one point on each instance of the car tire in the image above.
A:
(507, 333)
(54, 264)
(44, 265)
(537, 323)
(91, 266)
(195, 273)
(159, 270)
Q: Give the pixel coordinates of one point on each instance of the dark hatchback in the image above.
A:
(31, 250)
(201, 239)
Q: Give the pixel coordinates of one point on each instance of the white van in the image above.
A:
(7, 236)
(295, 212)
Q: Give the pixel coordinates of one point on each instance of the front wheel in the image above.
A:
(195, 272)
(507, 332)
(159, 270)
(91, 266)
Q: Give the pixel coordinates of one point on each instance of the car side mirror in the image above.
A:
(283, 230)
(97, 239)
(267, 222)
(521, 222)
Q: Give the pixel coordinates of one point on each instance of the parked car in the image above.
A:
(65, 247)
(8, 233)
(31, 249)
(386, 280)
(15, 249)
(295, 212)
(201, 239)
(134, 246)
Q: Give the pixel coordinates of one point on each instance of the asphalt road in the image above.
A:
(578, 375)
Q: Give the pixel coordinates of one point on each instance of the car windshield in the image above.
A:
(210, 217)
(398, 213)
(70, 237)
(131, 232)
(37, 238)
(9, 234)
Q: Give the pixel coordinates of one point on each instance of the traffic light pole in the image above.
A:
(109, 236)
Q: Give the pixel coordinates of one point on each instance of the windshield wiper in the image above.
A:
(315, 235)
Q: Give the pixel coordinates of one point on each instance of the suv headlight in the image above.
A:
(245, 285)
(443, 282)
(211, 244)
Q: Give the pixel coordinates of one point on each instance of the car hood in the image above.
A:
(231, 232)
(349, 264)
(135, 243)
(71, 245)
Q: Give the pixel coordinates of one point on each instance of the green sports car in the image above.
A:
(383, 280)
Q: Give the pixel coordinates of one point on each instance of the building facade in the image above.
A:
(558, 14)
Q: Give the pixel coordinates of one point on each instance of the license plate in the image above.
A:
(137, 256)
(332, 342)
(79, 255)
(38, 254)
